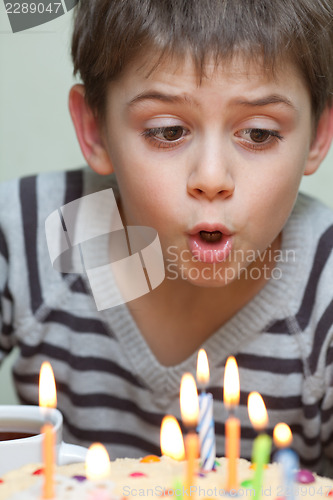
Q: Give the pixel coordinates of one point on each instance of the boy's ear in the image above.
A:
(321, 142)
(88, 131)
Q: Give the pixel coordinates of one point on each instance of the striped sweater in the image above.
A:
(110, 386)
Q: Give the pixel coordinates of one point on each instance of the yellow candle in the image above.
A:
(171, 438)
(231, 392)
(172, 445)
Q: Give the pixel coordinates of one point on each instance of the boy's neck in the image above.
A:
(182, 314)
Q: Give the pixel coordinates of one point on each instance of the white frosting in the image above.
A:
(157, 480)
(67, 488)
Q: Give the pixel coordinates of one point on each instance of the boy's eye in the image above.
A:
(161, 136)
(258, 138)
(259, 135)
(171, 133)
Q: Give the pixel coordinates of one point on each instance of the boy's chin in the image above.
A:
(209, 276)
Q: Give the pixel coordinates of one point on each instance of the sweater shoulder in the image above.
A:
(46, 192)
(314, 215)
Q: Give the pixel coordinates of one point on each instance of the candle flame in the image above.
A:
(172, 443)
(97, 462)
(189, 402)
(47, 387)
(257, 411)
(202, 368)
(231, 387)
(282, 435)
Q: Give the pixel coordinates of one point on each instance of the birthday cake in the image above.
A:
(154, 477)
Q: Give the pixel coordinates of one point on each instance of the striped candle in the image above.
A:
(205, 427)
(206, 432)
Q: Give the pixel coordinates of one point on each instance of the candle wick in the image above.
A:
(232, 411)
(48, 416)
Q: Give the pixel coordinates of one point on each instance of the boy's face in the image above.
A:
(214, 168)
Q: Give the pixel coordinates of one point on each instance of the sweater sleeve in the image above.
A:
(6, 300)
(327, 408)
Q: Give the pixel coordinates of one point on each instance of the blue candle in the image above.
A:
(287, 458)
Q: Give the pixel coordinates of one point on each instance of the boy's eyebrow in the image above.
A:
(168, 98)
(186, 99)
(265, 101)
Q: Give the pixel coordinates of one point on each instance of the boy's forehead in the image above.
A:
(171, 70)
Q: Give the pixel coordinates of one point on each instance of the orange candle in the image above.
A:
(232, 430)
(192, 453)
(189, 407)
(49, 460)
(232, 426)
(48, 399)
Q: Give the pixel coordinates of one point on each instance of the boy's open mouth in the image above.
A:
(211, 236)
(210, 244)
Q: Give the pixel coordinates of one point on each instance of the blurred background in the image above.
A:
(36, 133)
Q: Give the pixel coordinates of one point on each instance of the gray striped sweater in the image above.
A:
(110, 386)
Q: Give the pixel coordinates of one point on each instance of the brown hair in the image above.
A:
(109, 34)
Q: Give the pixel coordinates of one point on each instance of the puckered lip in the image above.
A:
(210, 227)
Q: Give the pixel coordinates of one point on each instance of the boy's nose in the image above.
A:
(211, 177)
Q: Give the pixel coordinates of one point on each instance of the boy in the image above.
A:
(203, 117)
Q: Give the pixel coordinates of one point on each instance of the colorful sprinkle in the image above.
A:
(149, 459)
(138, 474)
(305, 476)
(38, 472)
(253, 466)
(1, 481)
(330, 493)
(216, 464)
(201, 474)
(165, 492)
(247, 483)
(80, 479)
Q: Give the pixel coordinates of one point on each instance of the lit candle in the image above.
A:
(286, 457)
(231, 392)
(206, 421)
(48, 399)
(262, 444)
(189, 407)
(98, 468)
(172, 445)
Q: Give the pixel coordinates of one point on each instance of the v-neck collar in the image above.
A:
(276, 300)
